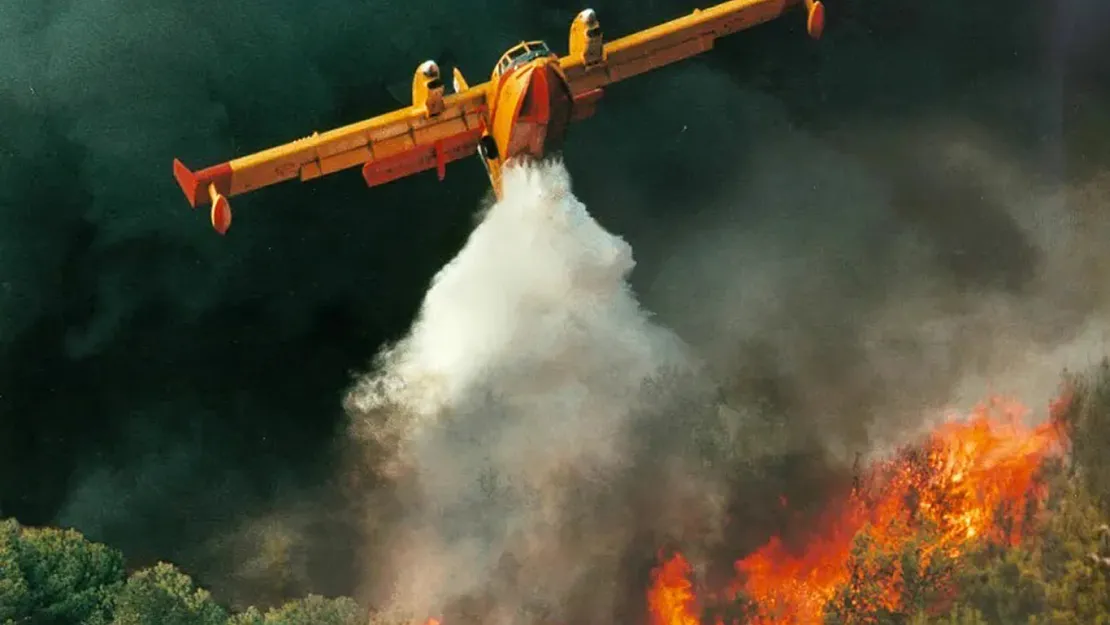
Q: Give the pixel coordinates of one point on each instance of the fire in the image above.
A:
(671, 600)
(969, 481)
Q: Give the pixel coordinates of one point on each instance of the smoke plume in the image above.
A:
(818, 321)
(848, 234)
(530, 402)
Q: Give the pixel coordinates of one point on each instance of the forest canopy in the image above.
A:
(1059, 573)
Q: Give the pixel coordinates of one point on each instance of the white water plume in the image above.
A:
(515, 406)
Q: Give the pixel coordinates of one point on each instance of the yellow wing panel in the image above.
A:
(669, 42)
(377, 140)
(390, 146)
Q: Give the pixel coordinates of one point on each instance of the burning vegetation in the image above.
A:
(982, 520)
(971, 498)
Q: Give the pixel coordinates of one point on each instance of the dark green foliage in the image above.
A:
(1052, 579)
(162, 595)
(14, 594)
(1055, 577)
(886, 587)
(738, 610)
(1088, 419)
(311, 610)
(52, 576)
(958, 615)
(1058, 575)
(13, 591)
(1003, 586)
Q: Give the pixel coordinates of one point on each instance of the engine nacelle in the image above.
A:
(586, 43)
(427, 89)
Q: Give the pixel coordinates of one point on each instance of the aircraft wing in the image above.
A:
(389, 146)
(677, 39)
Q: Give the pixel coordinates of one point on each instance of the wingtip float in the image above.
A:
(522, 112)
(207, 186)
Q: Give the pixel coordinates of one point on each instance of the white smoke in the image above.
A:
(516, 409)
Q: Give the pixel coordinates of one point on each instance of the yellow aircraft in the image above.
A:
(522, 112)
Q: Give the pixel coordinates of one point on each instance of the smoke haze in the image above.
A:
(862, 284)
(546, 437)
(518, 405)
(837, 305)
(838, 240)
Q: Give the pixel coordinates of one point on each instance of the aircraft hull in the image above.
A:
(533, 109)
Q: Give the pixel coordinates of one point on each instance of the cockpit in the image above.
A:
(520, 54)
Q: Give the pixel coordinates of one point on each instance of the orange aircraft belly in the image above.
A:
(533, 109)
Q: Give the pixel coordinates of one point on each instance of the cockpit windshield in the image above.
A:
(522, 53)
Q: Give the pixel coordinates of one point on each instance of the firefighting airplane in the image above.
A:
(521, 113)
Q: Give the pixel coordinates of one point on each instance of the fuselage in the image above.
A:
(530, 108)
(521, 113)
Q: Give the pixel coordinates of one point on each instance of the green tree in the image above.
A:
(251, 616)
(959, 615)
(1060, 574)
(1056, 576)
(162, 595)
(1004, 586)
(1070, 552)
(887, 587)
(1087, 418)
(310, 610)
(14, 594)
(50, 576)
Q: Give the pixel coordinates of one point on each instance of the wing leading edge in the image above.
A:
(438, 128)
(678, 39)
(388, 146)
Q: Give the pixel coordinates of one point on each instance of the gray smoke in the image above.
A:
(843, 292)
(520, 409)
(934, 232)
(867, 279)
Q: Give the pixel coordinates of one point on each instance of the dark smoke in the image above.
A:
(849, 232)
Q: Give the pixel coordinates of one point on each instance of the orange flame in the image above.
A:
(671, 600)
(969, 481)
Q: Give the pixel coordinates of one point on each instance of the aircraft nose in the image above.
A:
(536, 105)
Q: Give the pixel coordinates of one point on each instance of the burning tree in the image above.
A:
(984, 521)
(978, 522)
